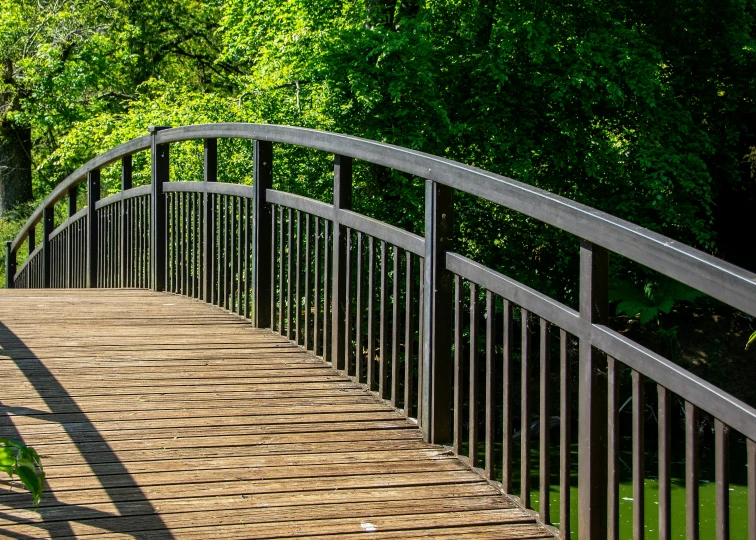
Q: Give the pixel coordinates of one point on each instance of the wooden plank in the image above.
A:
(238, 433)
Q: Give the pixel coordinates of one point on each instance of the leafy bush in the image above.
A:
(650, 300)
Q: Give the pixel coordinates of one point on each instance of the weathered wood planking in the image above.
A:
(161, 417)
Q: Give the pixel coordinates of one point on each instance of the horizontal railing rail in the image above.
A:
(430, 330)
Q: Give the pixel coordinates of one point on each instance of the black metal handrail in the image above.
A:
(298, 266)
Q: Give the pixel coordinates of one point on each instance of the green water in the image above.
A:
(738, 509)
(706, 492)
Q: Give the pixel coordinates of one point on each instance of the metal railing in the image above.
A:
(403, 314)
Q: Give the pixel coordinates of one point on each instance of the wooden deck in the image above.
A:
(162, 417)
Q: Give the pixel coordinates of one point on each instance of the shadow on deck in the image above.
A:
(162, 417)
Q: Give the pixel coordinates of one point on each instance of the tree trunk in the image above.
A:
(15, 165)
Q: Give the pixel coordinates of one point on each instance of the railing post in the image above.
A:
(126, 184)
(342, 200)
(31, 240)
(208, 219)
(437, 372)
(10, 266)
(592, 390)
(48, 224)
(160, 171)
(262, 229)
(73, 191)
(93, 195)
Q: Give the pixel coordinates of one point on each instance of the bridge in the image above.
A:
(206, 359)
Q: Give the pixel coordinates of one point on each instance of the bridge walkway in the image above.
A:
(158, 416)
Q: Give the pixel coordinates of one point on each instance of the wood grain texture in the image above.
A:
(158, 416)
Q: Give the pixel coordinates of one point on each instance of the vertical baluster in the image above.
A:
(133, 219)
(173, 218)
(408, 334)
(639, 404)
(326, 293)
(348, 306)
(298, 291)
(564, 437)
(382, 299)
(457, 428)
(209, 250)
(691, 471)
(135, 247)
(544, 504)
(187, 231)
(507, 409)
(234, 267)
(289, 250)
(130, 244)
(490, 379)
(370, 321)
(226, 265)
(395, 327)
(473, 377)
(177, 235)
(613, 449)
(248, 235)
(193, 221)
(722, 474)
(187, 234)
(273, 215)
(751, 451)
(421, 344)
(198, 227)
(228, 252)
(308, 246)
(170, 273)
(112, 244)
(218, 250)
(359, 352)
(144, 242)
(239, 244)
(525, 414)
(316, 327)
(665, 430)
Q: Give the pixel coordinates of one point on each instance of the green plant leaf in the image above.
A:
(751, 340)
(34, 482)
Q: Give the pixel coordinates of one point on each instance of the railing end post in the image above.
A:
(437, 370)
(592, 395)
(93, 195)
(48, 224)
(262, 229)
(342, 200)
(158, 222)
(10, 265)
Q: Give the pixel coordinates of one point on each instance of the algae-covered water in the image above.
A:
(707, 498)
(738, 509)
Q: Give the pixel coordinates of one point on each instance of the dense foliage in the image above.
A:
(641, 109)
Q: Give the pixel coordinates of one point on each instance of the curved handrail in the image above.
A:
(708, 274)
(76, 177)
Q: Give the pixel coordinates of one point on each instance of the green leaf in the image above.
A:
(751, 340)
(34, 482)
